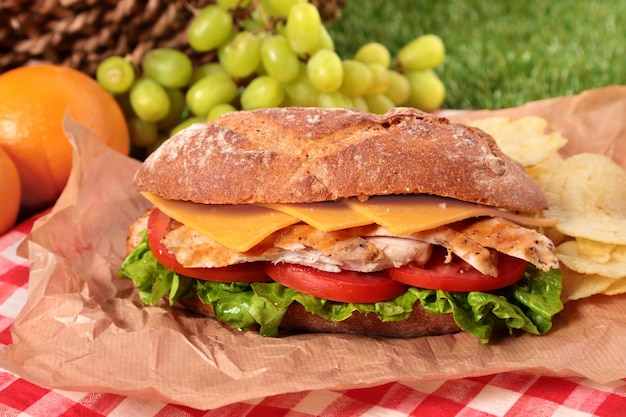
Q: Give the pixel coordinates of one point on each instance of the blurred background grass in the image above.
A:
(500, 53)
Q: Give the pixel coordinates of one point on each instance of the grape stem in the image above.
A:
(241, 14)
(264, 15)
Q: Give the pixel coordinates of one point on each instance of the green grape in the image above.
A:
(268, 8)
(399, 88)
(255, 23)
(206, 69)
(380, 79)
(209, 28)
(149, 100)
(280, 7)
(242, 55)
(334, 99)
(279, 28)
(425, 52)
(303, 28)
(220, 109)
(325, 70)
(374, 53)
(326, 41)
(379, 104)
(287, 102)
(359, 103)
(260, 70)
(186, 123)
(227, 4)
(264, 91)
(124, 101)
(301, 92)
(279, 60)
(115, 74)
(142, 134)
(427, 90)
(210, 91)
(357, 78)
(167, 66)
(177, 108)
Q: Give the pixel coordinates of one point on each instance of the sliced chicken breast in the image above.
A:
(305, 245)
(372, 248)
(514, 240)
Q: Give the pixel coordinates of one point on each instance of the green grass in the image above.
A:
(500, 53)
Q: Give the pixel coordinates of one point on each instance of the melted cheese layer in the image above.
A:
(241, 227)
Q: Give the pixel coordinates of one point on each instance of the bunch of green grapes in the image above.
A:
(268, 53)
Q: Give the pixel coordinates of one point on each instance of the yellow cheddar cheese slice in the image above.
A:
(406, 214)
(241, 227)
(237, 227)
(326, 216)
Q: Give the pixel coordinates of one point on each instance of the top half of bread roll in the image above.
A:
(301, 155)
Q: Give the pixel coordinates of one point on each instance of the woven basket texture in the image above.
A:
(81, 33)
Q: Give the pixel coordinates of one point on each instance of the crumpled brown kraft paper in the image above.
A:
(591, 120)
(84, 329)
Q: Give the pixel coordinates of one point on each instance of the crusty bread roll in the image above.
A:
(300, 155)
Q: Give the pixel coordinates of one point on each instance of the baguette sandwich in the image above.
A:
(311, 220)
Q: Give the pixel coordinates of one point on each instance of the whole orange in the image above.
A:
(33, 103)
(10, 192)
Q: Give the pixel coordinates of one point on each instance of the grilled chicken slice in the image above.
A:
(514, 240)
(302, 244)
(457, 243)
(372, 248)
(470, 241)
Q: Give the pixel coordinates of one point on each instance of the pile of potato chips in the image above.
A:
(586, 192)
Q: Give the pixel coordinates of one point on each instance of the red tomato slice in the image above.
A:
(158, 224)
(458, 275)
(344, 286)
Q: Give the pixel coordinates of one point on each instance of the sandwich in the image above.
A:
(308, 220)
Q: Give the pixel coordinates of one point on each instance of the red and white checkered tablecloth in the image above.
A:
(508, 394)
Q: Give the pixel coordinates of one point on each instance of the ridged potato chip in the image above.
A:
(586, 192)
(543, 171)
(597, 251)
(612, 263)
(576, 285)
(588, 196)
(617, 287)
(523, 139)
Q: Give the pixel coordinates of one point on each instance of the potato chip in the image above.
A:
(595, 251)
(588, 196)
(586, 192)
(576, 286)
(570, 255)
(523, 139)
(543, 171)
(617, 287)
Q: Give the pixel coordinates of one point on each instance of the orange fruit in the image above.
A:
(33, 103)
(10, 192)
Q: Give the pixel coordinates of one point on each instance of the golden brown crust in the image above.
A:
(297, 319)
(292, 155)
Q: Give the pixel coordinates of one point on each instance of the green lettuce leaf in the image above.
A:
(527, 306)
(152, 279)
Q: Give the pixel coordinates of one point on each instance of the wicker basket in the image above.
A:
(80, 33)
